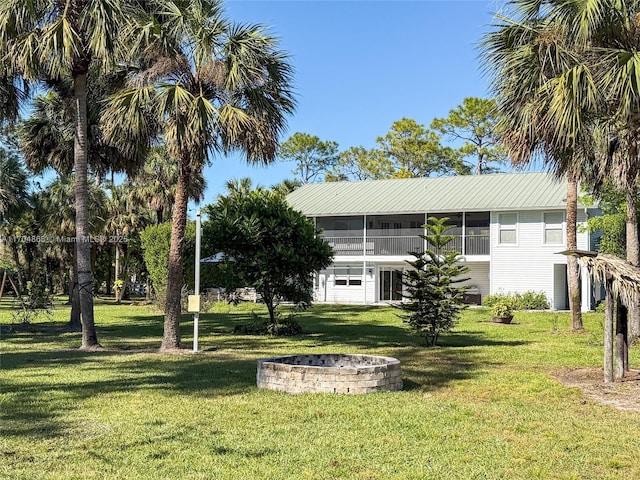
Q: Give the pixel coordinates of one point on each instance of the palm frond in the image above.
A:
(61, 45)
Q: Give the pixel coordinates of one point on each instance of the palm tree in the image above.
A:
(58, 201)
(60, 42)
(14, 199)
(56, 41)
(534, 69)
(124, 218)
(14, 185)
(240, 186)
(46, 140)
(154, 186)
(286, 186)
(227, 89)
(605, 37)
(46, 136)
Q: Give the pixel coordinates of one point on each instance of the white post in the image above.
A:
(196, 315)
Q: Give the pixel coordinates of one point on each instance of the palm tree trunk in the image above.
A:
(16, 260)
(609, 301)
(117, 273)
(622, 346)
(80, 160)
(573, 267)
(75, 322)
(633, 252)
(171, 337)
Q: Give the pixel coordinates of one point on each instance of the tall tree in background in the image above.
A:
(473, 123)
(14, 194)
(313, 157)
(154, 186)
(358, 163)
(14, 185)
(123, 218)
(407, 150)
(227, 88)
(416, 151)
(47, 135)
(14, 200)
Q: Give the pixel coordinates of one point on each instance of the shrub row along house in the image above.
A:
(509, 229)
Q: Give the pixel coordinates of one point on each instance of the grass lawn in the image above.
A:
(485, 405)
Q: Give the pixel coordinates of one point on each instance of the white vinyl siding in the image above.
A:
(479, 278)
(348, 284)
(531, 265)
(507, 228)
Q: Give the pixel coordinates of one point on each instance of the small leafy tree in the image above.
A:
(435, 301)
(37, 300)
(270, 246)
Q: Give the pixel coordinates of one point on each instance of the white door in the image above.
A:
(322, 287)
(560, 287)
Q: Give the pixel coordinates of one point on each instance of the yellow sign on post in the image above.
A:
(194, 304)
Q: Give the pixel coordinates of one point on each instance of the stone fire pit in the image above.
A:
(330, 373)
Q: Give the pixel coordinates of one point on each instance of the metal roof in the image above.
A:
(504, 191)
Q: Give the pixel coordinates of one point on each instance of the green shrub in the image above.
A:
(528, 300)
(491, 300)
(503, 307)
(531, 300)
(156, 240)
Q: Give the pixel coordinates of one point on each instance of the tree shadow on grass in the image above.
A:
(39, 387)
(431, 369)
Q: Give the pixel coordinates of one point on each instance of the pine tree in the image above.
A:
(435, 299)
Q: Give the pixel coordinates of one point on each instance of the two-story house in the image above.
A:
(509, 229)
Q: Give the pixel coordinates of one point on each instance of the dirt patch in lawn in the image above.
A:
(622, 394)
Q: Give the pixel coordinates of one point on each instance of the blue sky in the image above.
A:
(361, 65)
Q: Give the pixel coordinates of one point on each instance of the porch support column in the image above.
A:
(463, 246)
(424, 232)
(586, 290)
(364, 237)
(364, 280)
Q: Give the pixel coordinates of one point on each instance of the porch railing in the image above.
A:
(400, 245)
(476, 245)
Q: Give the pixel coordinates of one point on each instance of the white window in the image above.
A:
(507, 233)
(347, 276)
(553, 229)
